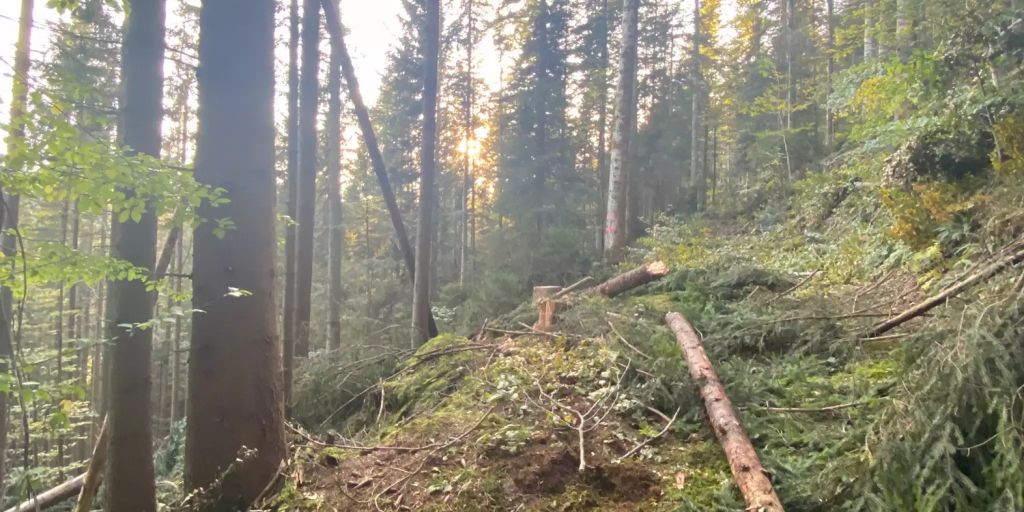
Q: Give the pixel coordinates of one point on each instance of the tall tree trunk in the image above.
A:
(9, 216)
(65, 217)
(602, 128)
(309, 94)
(830, 69)
(625, 112)
(334, 202)
(695, 113)
(176, 409)
(870, 43)
(235, 396)
(467, 156)
(904, 29)
(288, 330)
(130, 475)
(421, 283)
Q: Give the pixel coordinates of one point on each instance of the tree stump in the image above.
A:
(547, 307)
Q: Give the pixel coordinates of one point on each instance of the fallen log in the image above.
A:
(747, 471)
(94, 473)
(55, 495)
(635, 278)
(950, 292)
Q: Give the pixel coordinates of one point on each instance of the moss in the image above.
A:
(430, 374)
(707, 481)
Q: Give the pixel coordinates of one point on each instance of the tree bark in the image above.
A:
(309, 95)
(428, 154)
(370, 139)
(130, 474)
(747, 471)
(635, 278)
(334, 203)
(9, 215)
(870, 43)
(830, 69)
(288, 330)
(602, 128)
(235, 396)
(625, 113)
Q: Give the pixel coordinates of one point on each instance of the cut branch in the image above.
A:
(747, 471)
(943, 296)
(635, 278)
(334, 29)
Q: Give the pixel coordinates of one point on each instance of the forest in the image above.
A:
(553, 255)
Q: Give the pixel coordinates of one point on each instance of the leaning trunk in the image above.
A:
(130, 475)
(235, 397)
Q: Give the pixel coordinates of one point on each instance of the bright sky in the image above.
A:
(373, 26)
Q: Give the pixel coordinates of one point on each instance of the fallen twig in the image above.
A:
(796, 286)
(830, 408)
(640, 446)
(625, 342)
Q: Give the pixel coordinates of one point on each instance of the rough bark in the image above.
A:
(94, 471)
(130, 474)
(467, 156)
(334, 203)
(428, 164)
(747, 471)
(288, 329)
(950, 292)
(370, 139)
(9, 214)
(235, 397)
(637, 277)
(309, 95)
(625, 112)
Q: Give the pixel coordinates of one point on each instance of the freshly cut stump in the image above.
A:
(747, 471)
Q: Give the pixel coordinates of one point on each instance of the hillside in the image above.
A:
(922, 417)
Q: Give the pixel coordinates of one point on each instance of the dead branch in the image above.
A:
(830, 408)
(747, 471)
(640, 446)
(950, 292)
(578, 285)
(796, 286)
(94, 473)
(627, 343)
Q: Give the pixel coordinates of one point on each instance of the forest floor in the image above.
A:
(602, 415)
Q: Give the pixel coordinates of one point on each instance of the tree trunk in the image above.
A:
(176, 408)
(421, 283)
(309, 95)
(467, 156)
(370, 139)
(51, 497)
(870, 43)
(625, 112)
(747, 471)
(830, 69)
(130, 474)
(288, 330)
(904, 29)
(235, 396)
(696, 86)
(9, 217)
(65, 215)
(602, 129)
(334, 203)
(622, 283)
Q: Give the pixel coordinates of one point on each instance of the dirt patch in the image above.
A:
(545, 472)
(620, 483)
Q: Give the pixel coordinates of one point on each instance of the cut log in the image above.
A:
(547, 307)
(55, 495)
(94, 473)
(633, 279)
(950, 292)
(747, 471)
